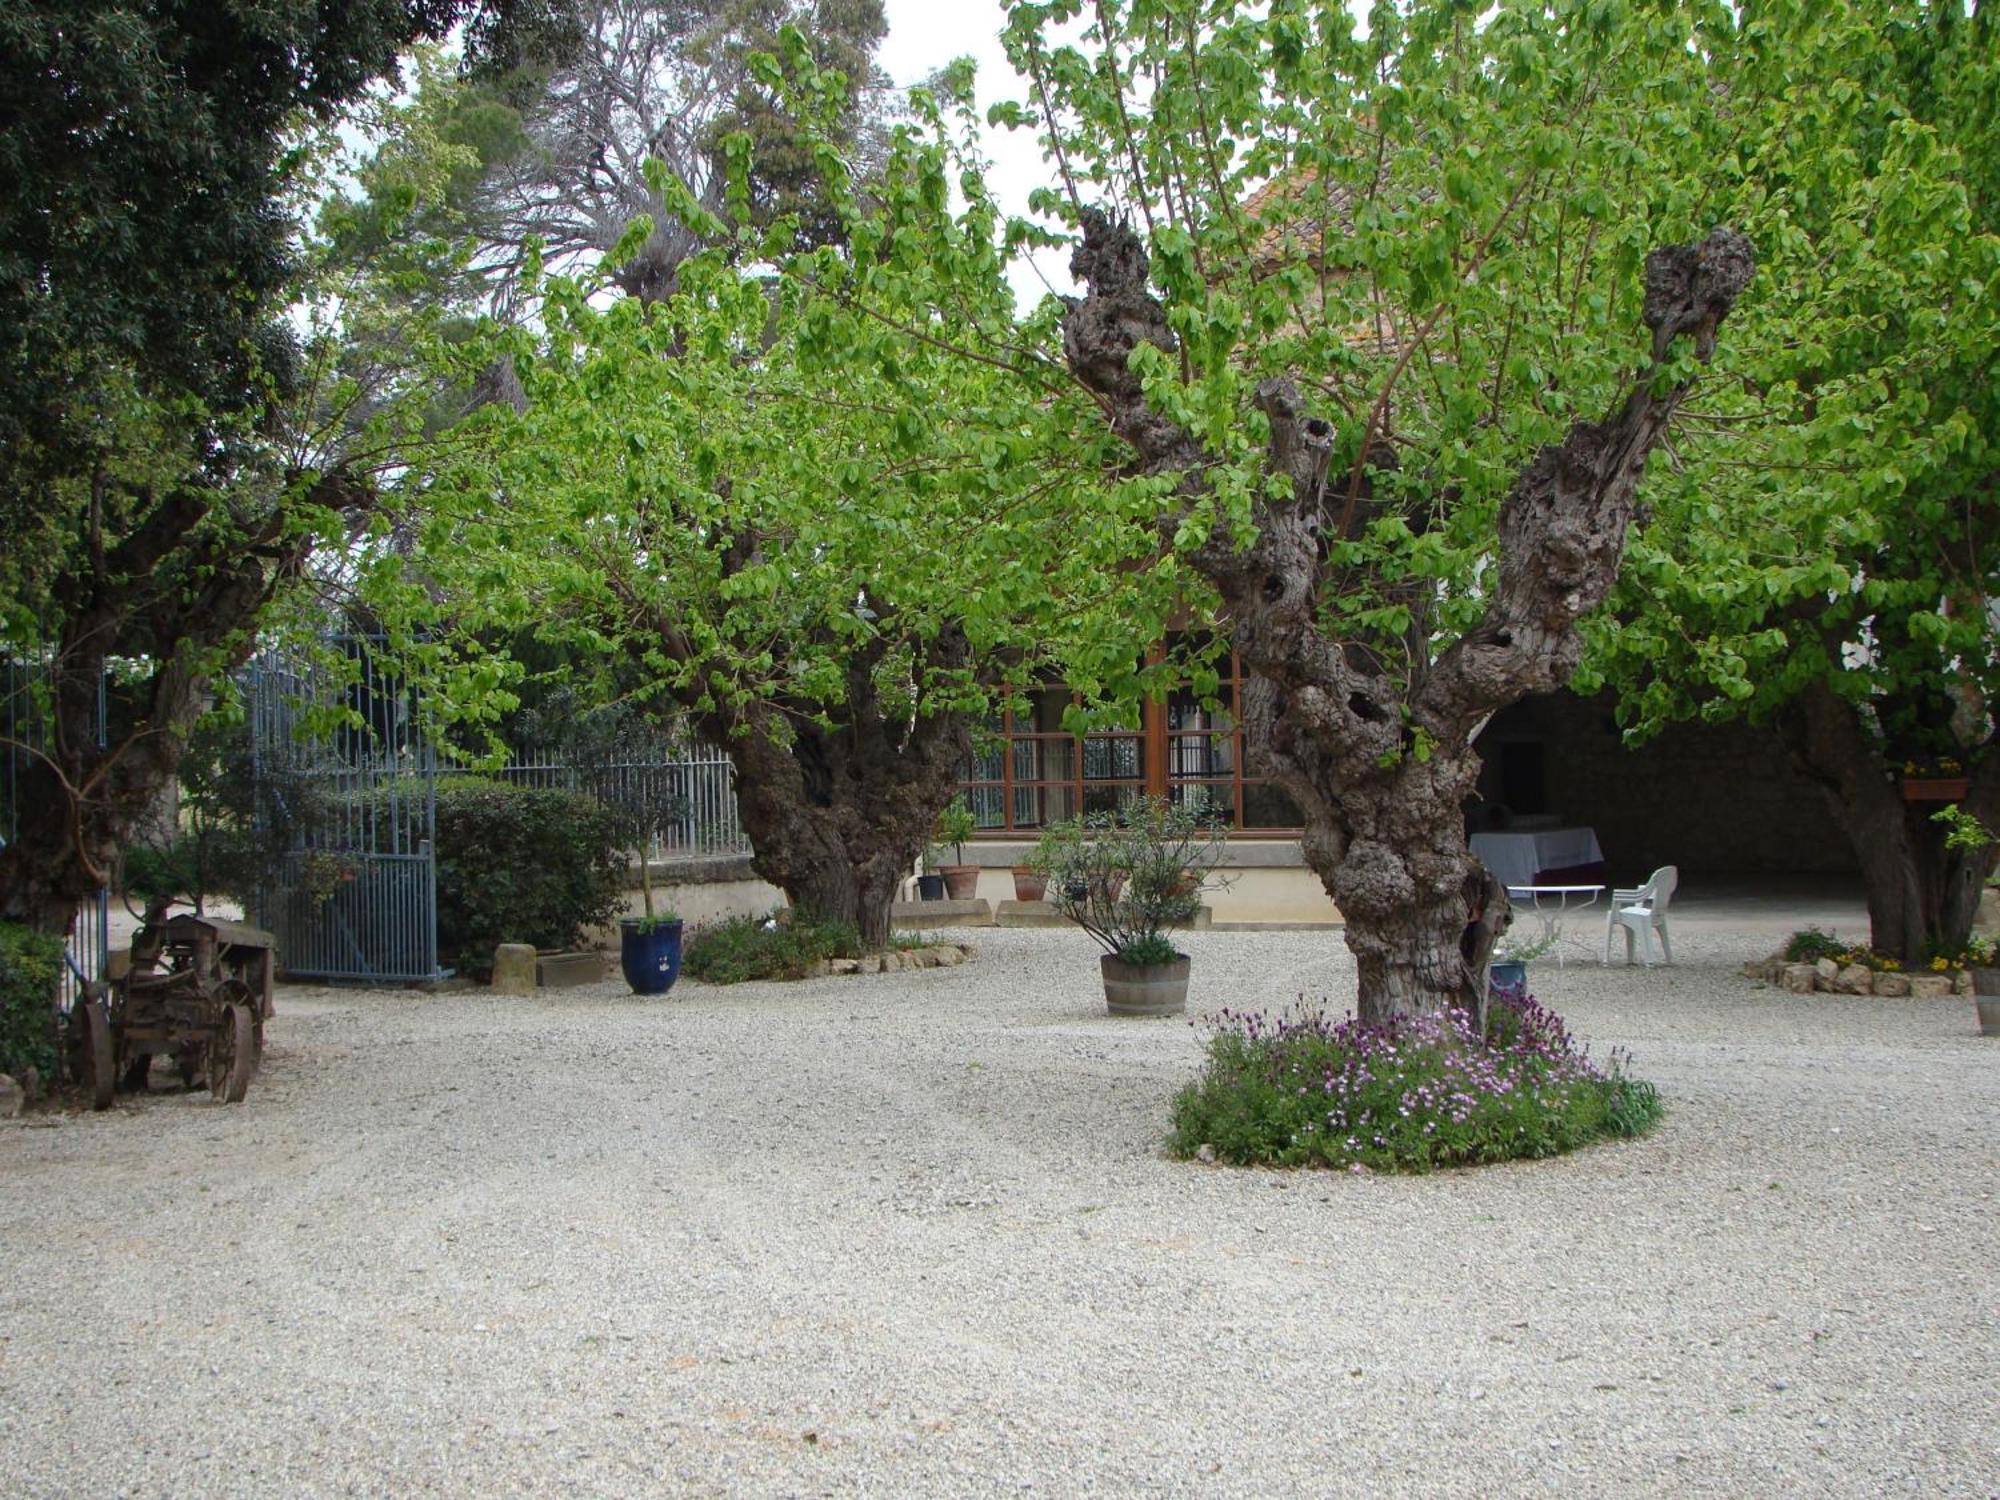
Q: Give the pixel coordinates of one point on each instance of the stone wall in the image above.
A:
(1711, 798)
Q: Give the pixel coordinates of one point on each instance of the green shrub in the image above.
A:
(30, 970)
(520, 864)
(1811, 945)
(1406, 1096)
(744, 948)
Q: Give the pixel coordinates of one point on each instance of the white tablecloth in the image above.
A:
(1515, 857)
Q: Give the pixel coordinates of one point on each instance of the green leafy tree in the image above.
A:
(1825, 559)
(1381, 327)
(827, 567)
(149, 167)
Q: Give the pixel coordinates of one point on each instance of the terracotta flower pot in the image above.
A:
(1029, 883)
(1934, 788)
(961, 881)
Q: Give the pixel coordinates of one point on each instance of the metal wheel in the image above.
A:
(232, 1055)
(90, 1051)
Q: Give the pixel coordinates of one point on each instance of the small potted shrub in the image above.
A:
(1029, 883)
(1128, 881)
(1511, 957)
(956, 824)
(649, 946)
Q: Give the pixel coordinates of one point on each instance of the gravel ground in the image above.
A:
(915, 1235)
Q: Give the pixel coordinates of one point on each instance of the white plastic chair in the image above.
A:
(1643, 910)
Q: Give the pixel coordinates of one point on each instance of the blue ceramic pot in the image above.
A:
(651, 960)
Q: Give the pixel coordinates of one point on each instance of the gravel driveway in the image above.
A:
(915, 1235)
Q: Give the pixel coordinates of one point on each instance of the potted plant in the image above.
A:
(1511, 957)
(1029, 883)
(930, 884)
(649, 946)
(956, 824)
(1128, 880)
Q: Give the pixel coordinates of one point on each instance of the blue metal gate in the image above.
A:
(347, 800)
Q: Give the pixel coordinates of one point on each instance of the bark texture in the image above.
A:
(1377, 752)
(182, 590)
(1922, 896)
(837, 814)
(838, 800)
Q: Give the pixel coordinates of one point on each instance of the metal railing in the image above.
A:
(697, 779)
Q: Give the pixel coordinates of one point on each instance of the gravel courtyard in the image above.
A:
(916, 1235)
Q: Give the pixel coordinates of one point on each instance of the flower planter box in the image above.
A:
(1933, 788)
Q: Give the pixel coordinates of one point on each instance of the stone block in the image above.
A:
(1828, 970)
(846, 965)
(916, 916)
(1855, 979)
(1894, 986)
(1797, 979)
(1930, 986)
(13, 1098)
(868, 963)
(950, 957)
(566, 971)
(1028, 914)
(1962, 984)
(514, 966)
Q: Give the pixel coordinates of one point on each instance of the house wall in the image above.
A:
(1710, 798)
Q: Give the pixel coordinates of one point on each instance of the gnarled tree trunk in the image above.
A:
(837, 812)
(178, 591)
(1922, 895)
(1373, 738)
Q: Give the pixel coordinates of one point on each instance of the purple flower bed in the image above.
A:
(1302, 1090)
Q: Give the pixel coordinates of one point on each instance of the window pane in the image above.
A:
(1039, 806)
(1206, 799)
(1201, 755)
(1104, 799)
(1107, 759)
(1265, 806)
(988, 804)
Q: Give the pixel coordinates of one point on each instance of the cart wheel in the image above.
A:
(232, 1055)
(90, 1051)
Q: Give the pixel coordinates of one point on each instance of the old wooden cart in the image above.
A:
(198, 991)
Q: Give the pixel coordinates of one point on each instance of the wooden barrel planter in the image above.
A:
(1145, 989)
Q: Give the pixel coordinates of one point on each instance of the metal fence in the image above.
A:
(697, 779)
(24, 730)
(346, 796)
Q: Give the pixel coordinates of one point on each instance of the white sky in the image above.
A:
(924, 35)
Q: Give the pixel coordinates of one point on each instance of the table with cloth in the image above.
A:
(1517, 858)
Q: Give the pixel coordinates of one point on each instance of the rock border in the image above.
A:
(896, 960)
(1829, 978)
